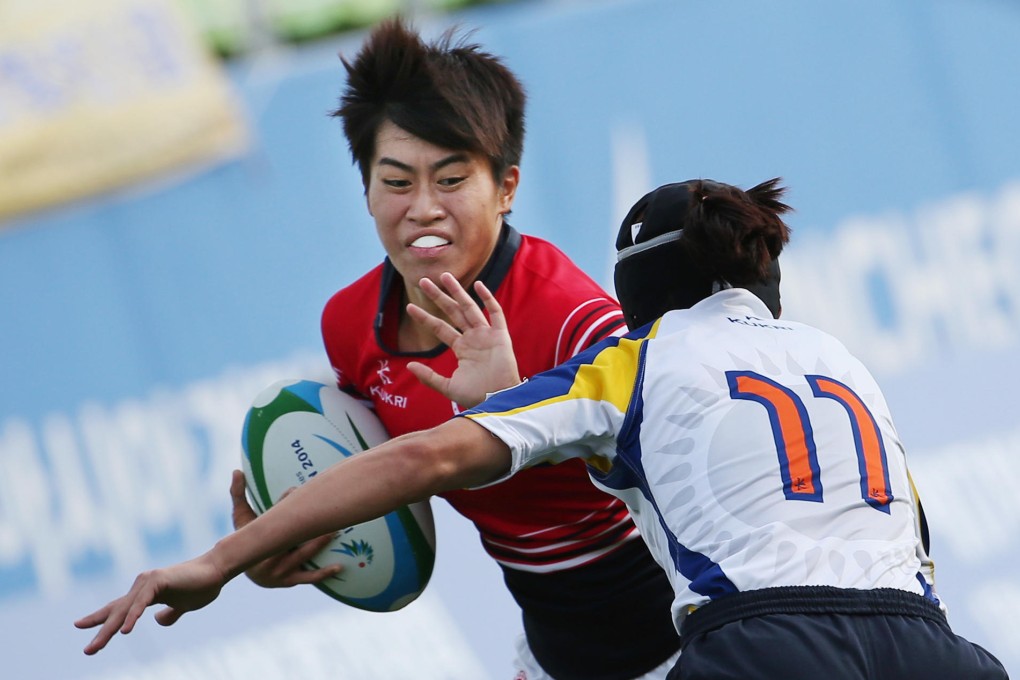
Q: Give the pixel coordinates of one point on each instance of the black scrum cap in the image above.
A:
(655, 272)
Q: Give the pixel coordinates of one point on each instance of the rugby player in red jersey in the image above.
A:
(437, 131)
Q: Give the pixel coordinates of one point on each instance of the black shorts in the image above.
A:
(823, 633)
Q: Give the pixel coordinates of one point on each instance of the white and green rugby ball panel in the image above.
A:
(295, 430)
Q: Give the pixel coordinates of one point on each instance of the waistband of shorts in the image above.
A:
(808, 600)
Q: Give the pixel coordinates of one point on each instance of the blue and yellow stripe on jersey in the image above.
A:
(607, 371)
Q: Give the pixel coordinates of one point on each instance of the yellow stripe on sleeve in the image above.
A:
(609, 377)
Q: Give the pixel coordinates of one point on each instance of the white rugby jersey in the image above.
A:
(752, 452)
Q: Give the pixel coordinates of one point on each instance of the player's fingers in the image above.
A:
(435, 293)
(293, 560)
(443, 331)
(463, 310)
(451, 307)
(431, 289)
(311, 548)
(168, 616)
(287, 569)
(116, 618)
(429, 377)
(265, 575)
(94, 619)
(468, 309)
(270, 572)
(237, 486)
(142, 594)
(242, 512)
(122, 613)
(496, 317)
(303, 576)
(102, 637)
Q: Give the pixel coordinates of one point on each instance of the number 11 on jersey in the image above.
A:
(794, 437)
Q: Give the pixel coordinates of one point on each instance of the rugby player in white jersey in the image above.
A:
(757, 456)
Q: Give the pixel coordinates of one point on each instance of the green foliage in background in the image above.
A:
(235, 27)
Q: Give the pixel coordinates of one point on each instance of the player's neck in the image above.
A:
(414, 337)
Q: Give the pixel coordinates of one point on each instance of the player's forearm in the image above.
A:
(407, 469)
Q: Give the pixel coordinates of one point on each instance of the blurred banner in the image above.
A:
(102, 94)
(233, 28)
(135, 329)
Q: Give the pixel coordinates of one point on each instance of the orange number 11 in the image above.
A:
(795, 443)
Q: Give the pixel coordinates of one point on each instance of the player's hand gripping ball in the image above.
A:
(295, 430)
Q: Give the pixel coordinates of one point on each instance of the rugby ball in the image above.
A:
(295, 430)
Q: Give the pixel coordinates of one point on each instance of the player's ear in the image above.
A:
(508, 188)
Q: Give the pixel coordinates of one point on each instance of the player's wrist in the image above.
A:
(226, 557)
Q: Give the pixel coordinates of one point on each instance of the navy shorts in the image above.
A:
(817, 632)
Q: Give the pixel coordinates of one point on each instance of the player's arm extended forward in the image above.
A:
(457, 454)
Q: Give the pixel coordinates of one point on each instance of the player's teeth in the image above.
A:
(429, 242)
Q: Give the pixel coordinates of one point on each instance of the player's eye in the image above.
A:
(397, 183)
(451, 181)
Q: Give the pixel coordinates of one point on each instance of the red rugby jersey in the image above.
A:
(547, 518)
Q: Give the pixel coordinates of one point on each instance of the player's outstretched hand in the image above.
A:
(183, 588)
(484, 351)
(287, 568)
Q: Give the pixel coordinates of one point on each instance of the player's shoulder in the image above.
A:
(347, 319)
(563, 308)
(356, 295)
(797, 338)
(547, 272)
(535, 249)
(808, 333)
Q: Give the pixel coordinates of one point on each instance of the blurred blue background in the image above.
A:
(136, 323)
